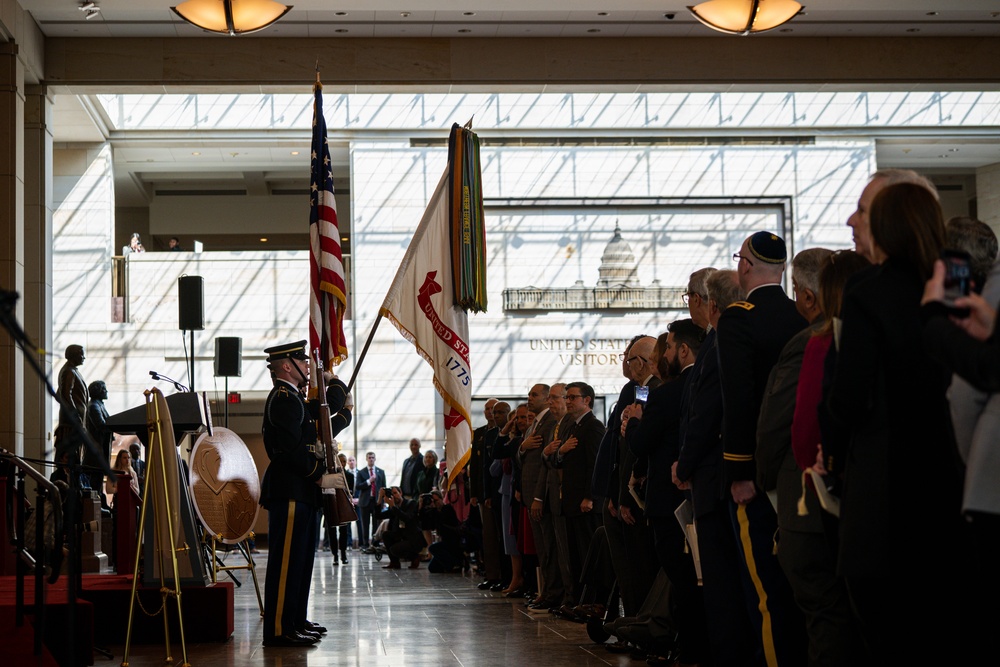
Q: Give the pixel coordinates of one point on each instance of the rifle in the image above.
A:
(338, 510)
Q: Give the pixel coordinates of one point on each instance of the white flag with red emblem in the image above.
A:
(421, 304)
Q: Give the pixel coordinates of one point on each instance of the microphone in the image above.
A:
(177, 385)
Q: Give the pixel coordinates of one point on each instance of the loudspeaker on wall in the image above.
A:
(190, 303)
(228, 357)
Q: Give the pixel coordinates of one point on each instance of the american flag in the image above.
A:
(328, 291)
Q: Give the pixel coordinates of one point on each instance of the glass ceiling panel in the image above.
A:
(551, 111)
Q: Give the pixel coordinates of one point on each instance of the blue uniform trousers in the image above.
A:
(292, 533)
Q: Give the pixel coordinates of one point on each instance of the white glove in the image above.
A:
(332, 481)
(349, 401)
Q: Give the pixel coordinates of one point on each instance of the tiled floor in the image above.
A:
(402, 617)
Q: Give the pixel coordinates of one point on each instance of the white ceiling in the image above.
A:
(143, 166)
(560, 18)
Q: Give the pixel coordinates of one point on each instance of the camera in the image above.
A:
(641, 394)
(957, 279)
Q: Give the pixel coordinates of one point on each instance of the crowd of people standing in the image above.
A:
(812, 441)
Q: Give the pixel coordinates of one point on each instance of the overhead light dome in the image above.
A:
(744, 17)
(231, 17)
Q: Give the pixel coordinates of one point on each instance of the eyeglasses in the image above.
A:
(556, 397)
(631, 359)
(737, 257)
(686, 297)
(573, 397)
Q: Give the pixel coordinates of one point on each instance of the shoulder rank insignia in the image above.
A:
(745, 305)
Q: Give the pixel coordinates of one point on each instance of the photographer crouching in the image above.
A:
(447, 554)
(403, 538)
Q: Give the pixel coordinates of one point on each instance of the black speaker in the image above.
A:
(228, 357)
(191, 303)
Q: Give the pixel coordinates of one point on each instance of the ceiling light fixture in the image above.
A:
(91, 13)
(745, 17)
(231, 17)
(87, 6)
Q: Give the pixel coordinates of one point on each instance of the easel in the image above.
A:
(217, 566)
(156, 492)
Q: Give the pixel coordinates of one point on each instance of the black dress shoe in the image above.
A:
(310, 634)
(315, 627)
(619, 647)
(290, 640)
(484, 585)
(497, 587)
(343, 556)
(516, 593)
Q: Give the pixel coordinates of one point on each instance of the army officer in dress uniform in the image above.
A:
(291, 493)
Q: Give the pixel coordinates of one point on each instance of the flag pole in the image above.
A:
(364, 351)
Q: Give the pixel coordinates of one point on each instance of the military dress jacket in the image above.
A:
(752, 334)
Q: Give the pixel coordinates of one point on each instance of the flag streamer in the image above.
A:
(468, 226)
(328, 288)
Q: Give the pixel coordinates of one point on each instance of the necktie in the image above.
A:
(371, 478)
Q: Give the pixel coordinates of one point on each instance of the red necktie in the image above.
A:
(371, 478)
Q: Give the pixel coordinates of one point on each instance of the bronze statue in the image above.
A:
(100, 433)
(73, 395)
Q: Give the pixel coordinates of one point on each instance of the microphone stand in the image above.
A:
(8, 321)
(177, 385)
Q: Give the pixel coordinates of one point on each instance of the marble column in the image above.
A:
(11, 244)
(37, 296)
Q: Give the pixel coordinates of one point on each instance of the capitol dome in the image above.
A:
(618, 265)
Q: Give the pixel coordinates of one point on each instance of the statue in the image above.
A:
(73, 395)
(101, 434)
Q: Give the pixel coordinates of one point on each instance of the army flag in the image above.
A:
(421, 304)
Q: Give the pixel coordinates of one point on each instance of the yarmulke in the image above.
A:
(296, 350)
(768, 247)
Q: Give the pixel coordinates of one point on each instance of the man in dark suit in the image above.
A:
(638, 569)
(403, 539)
(656, 443)
(604, 485)
(806, 557)
(580, 433)
(698, 469)
(411, 470)
(533, 472)
(479, 494)
(546, 503)
(366, 487)
(752, 334)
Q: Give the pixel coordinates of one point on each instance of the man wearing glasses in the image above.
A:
(546, 513)
(696, 297)
(751, 335)
(636, 573)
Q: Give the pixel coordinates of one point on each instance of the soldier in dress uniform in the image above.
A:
(751, 335)
(291, 492)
